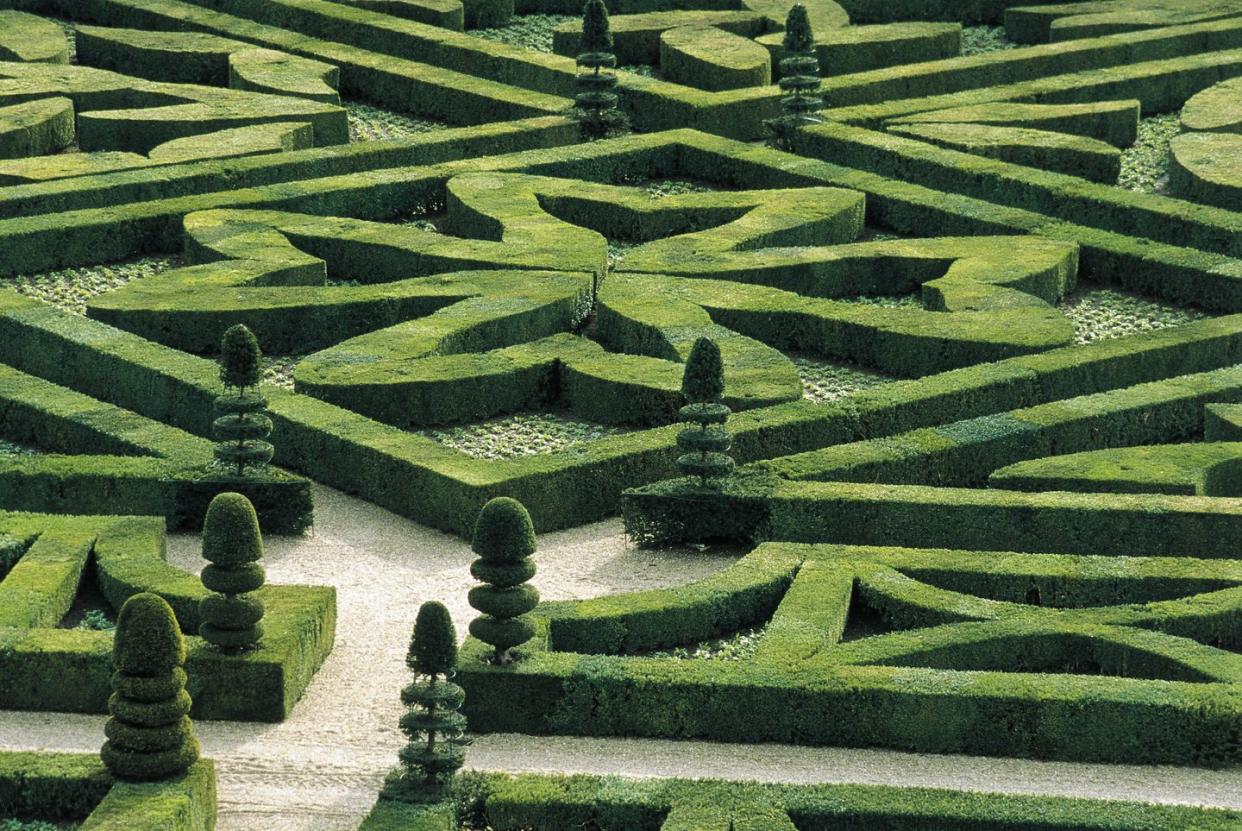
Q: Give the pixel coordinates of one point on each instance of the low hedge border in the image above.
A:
(973, 664)
(514, 802)
(965, 453)
(77, 787)
(419, 478)
(1055, 195)
(757, 505)
(1208, 469)
(69, 670)
(373, 45)
(431, 87)
(104, 459)
(1159, 84)
(196, 178)
(139, 129)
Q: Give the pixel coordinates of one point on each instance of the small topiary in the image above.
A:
(149, 733)
(800, 101)
(595, 105)
(232, 616)
(435, 728)
(504, 539)
(241, 426)
(705, 448)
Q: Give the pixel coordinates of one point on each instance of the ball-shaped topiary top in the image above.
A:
(503, 532)
(798, 36)
(231, 531)
(240, 358)
(703, 381)
(148, 640)
(596, 33)
(433, 649)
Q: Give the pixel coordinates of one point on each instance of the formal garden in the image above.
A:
(630, 415)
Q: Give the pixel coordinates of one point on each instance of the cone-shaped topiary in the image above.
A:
(800, 101)
(149, 734)
(596, 101)
(232, 615)
(504, 539)
(705, 448)
(241, 426)
(240, 358)
(435, 728)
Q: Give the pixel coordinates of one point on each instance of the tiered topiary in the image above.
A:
(800, 101)
(705, 448)
(596, 101)
(434, 726)
(504, 539)
(241, 426)
(232, 616)
(149, 734)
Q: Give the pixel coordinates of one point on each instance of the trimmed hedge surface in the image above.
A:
(73, 787)
(758, 505)
(420, 478)
(107, 460)
(68, 670)
(967, 660)
(559, 803)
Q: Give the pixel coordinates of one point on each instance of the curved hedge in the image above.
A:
(1132, 661)
(68, 670)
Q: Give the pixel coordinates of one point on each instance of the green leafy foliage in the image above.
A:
(232, 614)
(241, 425)
(240, 358)
(432, 723)
(799, 81)
(504, 539)
(596, 33)
(433, 648)
(149, 734)
(705, 448)
(595, 104)
(798, 35)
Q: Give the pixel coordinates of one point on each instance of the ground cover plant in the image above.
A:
(910, 332)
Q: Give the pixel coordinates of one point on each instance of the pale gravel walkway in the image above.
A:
(320, 770)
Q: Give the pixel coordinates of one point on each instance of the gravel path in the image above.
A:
(320, 770)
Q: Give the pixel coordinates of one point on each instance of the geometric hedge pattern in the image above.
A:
(981, 330)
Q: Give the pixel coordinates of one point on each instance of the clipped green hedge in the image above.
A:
(73, 787)
(449, 82)
(419, 478)
(1052, 194)
(558, 803)
(68, 670)
(761, 506)
(968, 660)
(104, 459)
(965, 453)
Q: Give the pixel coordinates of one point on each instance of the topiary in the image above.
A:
(504, 539)
(435, 728)
(705, 449)
(149, 733)
(232, 616)
(800, 101)
(241, 426)
(595, 104)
